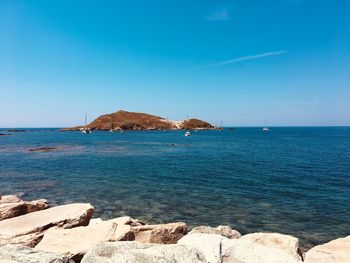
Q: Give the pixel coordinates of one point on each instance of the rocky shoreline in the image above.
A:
(31, 231)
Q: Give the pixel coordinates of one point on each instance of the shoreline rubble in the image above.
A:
(68, 234)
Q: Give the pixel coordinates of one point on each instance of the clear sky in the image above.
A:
(239, 61)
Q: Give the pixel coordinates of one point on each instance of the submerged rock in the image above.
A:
(12, 206)
(335, 251)
(127, 252)
(225, 231)
(44, 149)
(162, 234)
(75, 242)
(20, 254)
(16, 130)
(29, 229)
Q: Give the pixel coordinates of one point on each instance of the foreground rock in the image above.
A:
(75, 242)
(217, 249)
(127, 252)
(225, 231)
(29, 229)
(162, 234)
(335, 251)
(9, 199)
(209, 244)
(12, 206)
(20, 254)
(286, 243)
(244, 251)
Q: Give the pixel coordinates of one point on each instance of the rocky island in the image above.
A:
(124, 120)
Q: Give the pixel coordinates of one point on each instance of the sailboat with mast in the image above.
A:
(187, 133)
(85, 130)
(265, 128)
(221, 128)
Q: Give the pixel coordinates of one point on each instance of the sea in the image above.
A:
(291, 180)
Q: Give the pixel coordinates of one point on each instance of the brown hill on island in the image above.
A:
(124, 120)
(192, 124)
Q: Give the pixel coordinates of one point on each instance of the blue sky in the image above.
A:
(240, 61)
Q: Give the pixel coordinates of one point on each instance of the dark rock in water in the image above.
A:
(15, 130)
(124, 120)
(4, 134)
(43, 149)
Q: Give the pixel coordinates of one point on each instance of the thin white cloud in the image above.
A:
(246, 58)
(219, 15)
(300, 104)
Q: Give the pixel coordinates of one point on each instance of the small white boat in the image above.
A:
(187, 134)
(86, 131)
(116, 130)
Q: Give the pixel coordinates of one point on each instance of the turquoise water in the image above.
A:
(291, 180)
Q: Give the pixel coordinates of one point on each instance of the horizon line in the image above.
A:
(230, 126)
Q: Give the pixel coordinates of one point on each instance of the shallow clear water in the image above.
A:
(291, 180)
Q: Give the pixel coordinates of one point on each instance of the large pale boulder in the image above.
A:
(225, 231)
(132, 251)
(76, 241)
(12, 206)
(20, 254)
(218, 249)
(28, 229)
(245, 251)
(95, 221)
(335, 251)
(208, 244)
(162, 234)
(288, 244)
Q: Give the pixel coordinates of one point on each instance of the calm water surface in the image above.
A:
(291, 180)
